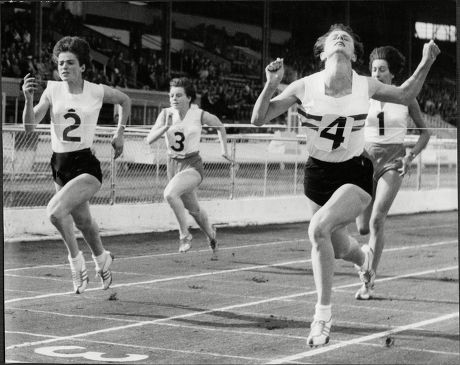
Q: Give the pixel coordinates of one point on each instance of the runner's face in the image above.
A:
(339, 42)
(381, 71)
(178, 99)
(68, 67)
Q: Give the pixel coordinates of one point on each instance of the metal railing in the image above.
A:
(266, 165)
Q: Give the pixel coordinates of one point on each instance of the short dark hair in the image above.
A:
(186, 84)
(318, 48)
(76, 45)
(394, 58)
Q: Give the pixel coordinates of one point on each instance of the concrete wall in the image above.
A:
(32, 224)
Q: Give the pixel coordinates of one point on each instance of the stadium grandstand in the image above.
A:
(221, 45)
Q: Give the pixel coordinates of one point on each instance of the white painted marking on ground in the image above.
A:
(36, 277)
(183, 277)
(218, 272)
(358, 340)
(58, 351)
(193, 314)
(165, 254)
(224, 248)
(173, 278)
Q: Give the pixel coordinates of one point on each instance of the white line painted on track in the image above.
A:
(173, 278)
(193, 314)
(154, 348)
(358, 340)
(218, 272)
(182, 277)
(36, 277)
(221, 248)
(29, 334)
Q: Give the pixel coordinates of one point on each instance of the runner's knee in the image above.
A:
(83, 223)
(318, 231)
(54, 213)
(195, 213)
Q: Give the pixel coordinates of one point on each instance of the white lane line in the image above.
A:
(151, 348)
(359, 340)
(172, 278)
(36, 277)
(29, 334)
(221, 248)
(154, 348)
(218, 272)
(193, 314)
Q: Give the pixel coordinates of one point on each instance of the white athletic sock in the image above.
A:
(99, 260)
(323, 312)
(76, 262)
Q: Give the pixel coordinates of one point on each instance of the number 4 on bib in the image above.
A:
(333, 132)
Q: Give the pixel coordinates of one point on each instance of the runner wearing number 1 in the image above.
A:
(74, 105)
(181, 124)
(338, 176)
(385, 129)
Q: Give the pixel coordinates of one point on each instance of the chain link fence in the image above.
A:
(266, 165)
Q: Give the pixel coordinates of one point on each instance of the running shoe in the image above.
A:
(366, 291)
(103, 271)
(185, 243)
(80, 277)
(213, 245)
(364, 270)
(319, 333)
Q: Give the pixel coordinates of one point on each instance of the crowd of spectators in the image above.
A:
(439, 98)
(227, 94)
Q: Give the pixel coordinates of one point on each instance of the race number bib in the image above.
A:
(333, 133)
(176, 139)
(69, 128)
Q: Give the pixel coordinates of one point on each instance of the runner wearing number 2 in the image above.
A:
(74, 106)
(338, 176)
(386, 127)
(181, 124)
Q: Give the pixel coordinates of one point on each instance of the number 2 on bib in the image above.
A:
(77, 122)
(333, 132)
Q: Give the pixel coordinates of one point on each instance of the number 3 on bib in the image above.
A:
(333, 132)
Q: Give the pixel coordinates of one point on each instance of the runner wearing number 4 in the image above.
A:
(74, 106)
(386, 127)
(338, 176)
(181, 124)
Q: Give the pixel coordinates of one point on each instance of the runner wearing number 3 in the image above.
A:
(181, 124)
(338, 176)
(386, 127)
(74, 106)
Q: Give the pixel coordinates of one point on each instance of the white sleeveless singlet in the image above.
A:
(73, 116)
(386, 125)
(183, 137)
(334, 125)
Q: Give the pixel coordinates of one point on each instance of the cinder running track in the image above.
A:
(253, 305)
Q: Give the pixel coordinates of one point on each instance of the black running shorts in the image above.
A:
(322, 178)
(68, 165)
